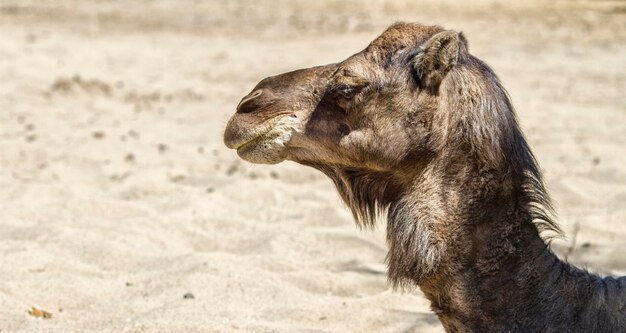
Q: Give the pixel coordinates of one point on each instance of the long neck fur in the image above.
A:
(471, 245)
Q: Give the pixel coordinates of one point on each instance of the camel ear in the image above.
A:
(436, 57)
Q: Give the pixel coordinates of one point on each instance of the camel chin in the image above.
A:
(270, 147)
(262, 151)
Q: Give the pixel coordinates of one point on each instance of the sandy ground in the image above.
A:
(117, 197)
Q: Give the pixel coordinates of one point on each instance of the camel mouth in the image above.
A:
(239, 132)
(251, 141)
(263, 144)
(268, 148)
(243, 142)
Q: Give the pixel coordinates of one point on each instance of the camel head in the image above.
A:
(413, 102)
(371, 112)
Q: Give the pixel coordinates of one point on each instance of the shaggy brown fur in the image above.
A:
(417, 128)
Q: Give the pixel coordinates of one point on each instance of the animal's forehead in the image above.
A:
(382, 51)
(398, 37)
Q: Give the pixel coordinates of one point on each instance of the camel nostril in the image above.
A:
(244, 106)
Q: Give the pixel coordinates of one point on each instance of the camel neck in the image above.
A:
(469, 241)
(516, 284)
(469, 238)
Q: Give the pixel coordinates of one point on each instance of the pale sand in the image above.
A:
(118, 196)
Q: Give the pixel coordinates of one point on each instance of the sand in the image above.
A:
(122, 211)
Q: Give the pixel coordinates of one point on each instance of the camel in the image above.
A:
(416, 129)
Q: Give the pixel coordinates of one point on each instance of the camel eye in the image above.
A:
(345, 91)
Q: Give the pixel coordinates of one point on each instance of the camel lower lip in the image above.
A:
(236, 138)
